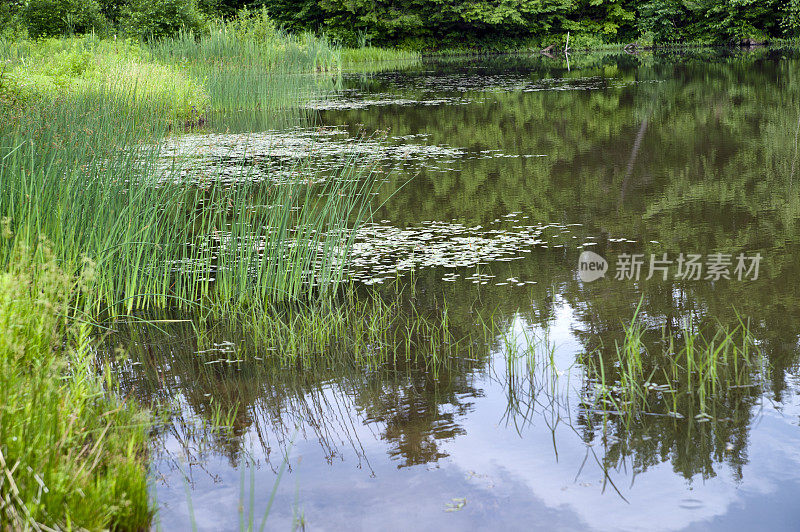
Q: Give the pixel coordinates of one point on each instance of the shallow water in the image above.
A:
(516, 166)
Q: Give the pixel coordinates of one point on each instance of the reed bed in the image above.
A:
(257, 74)
(100, 195)
(256, 81)
(374, 57)
(86, 192)
(359, 330)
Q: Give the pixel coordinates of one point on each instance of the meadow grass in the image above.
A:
(247, 73)
(84, 67)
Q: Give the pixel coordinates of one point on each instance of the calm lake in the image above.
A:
(500, 172)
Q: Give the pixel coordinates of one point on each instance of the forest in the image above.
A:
(432, 24)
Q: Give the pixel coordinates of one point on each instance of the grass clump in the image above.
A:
(689, 373)
(164, 235)
(375, 57)
(71, 453)
(252, 38)
(351, 329)
(256, 80)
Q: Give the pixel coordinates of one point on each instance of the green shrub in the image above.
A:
(9, 18)
(44, 18)
(791, 18)
(111, 9)
(254, 25)
(157, 19)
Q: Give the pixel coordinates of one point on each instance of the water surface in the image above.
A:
(499, 173)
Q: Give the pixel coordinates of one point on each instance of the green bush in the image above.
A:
(157, 19)
(255, 25)
(8, 17)
(791, 18)
(46, 18)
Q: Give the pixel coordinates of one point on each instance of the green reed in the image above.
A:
(689, 372)
(224, 374)
(533, 381)
(89, 177)
(84, 189)
(254, 83)
(376, 57)
(350, 329)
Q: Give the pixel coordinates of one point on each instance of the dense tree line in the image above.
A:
(592, 22)
(433, 23)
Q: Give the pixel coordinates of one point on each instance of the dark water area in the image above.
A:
(501, 172)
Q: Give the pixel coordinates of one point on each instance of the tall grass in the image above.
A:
(98, 192)
(253, 84)
(374, 57)
(256, 72)
(71, 452)
(76, 67)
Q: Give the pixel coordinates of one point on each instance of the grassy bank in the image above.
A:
(98, 224)
(72, 452)
(80, 68)
(244, 66)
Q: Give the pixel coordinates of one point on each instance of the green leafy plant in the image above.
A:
(72, 454)
(157, 19)
(45, 18)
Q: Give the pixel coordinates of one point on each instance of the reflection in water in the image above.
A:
(677, 154)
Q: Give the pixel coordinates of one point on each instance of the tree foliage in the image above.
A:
(495, 24)
(499, 22)
(57, 17)
(155, 19)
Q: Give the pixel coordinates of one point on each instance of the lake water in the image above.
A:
(500, 172)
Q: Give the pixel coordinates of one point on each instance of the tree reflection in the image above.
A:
(715, 172)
